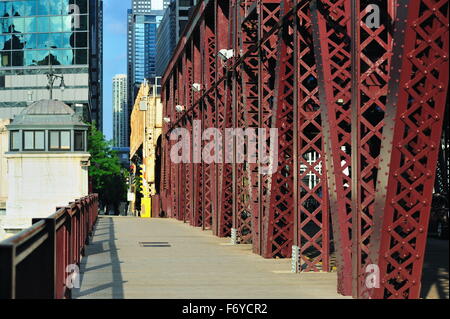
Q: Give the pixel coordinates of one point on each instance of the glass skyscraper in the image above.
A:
(170, 30)
(120, 111)
(39, 35)
(143, 24)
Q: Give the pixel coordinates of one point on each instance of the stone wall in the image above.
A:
(3, 164)
(3, 173)
(38, 183)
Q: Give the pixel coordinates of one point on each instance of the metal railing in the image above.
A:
(37, 262)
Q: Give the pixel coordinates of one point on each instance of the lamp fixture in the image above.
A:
(179, 108)
(225, 54)
(197, 87)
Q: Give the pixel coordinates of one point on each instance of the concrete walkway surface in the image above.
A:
(131, 257)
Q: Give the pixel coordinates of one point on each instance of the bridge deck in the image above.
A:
(196, 265)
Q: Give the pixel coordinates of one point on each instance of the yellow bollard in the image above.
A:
(146, 207)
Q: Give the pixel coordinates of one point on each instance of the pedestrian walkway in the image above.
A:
(163, 258)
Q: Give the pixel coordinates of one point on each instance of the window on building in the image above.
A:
(79, 141)
(34, 140)
(15, 141)
(59, 140)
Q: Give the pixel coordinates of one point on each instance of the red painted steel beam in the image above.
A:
(413, 125)
(332, 33)
(334, 103)
(311, 231)
(208, 107)
(188, 124)
(250, 109)
(281, 210)
(224, 199)
(372, 51)
(268, 16)
(197, 215)
(245, 95)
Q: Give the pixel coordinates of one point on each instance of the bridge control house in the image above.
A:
(47, 162)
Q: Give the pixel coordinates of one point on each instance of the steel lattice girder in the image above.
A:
(280, 215)
(224, 116)
(245, 100)
(276, 236)
(310, 184)
(188, 167)
(372, 223)
(413, 125)
(250, 104)
(197, 218)
(331, 24)
(275, 220)
(372, 51)
(209, 78)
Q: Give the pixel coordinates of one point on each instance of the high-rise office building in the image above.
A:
(120, 111)
(40, 36)
(143, 22)
(170, 30)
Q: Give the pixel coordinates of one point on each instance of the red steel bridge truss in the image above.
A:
(357, 91)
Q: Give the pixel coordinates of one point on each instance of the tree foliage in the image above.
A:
(106, 174)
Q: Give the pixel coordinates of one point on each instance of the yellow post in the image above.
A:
(146, 207)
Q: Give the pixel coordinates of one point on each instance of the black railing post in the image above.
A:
(48, 276)
(7, 272)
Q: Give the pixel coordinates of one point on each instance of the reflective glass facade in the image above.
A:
(145, 47)
(66, 34)
(170, 30)
(43, 32)
(143, 23)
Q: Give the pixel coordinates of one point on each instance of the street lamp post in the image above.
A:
(52, 77)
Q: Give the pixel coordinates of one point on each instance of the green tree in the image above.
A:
(106, 174)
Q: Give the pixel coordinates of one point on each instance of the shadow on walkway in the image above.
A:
(435, 276)
(106, 263)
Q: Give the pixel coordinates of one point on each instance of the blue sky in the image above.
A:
(115, 51)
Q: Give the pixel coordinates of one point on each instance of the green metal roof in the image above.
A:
(47, 113)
